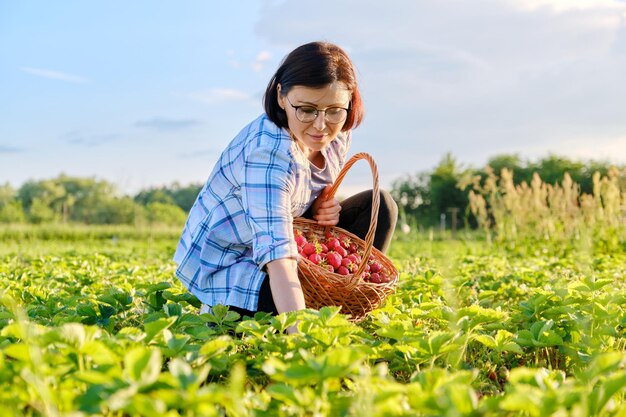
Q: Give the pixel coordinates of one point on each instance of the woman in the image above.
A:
(237, 247)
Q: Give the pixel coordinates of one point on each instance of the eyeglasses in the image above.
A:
(332, 115)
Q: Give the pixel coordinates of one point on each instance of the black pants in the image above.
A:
(355, 216)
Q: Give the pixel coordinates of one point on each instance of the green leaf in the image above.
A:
(153, 328)
(216, 346)
(485, 340)
(173, 309)
(143, 365)
(106, 311)
(99, 352)
(86, 310)
(607, 389)
(18, 351)
(175, 343)
(73, 334)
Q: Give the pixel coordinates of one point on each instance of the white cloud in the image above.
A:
(566, 5)
(261, 59)
(54, 75)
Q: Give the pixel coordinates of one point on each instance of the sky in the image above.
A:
(145, 94)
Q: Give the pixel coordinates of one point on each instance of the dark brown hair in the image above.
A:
(314, 65)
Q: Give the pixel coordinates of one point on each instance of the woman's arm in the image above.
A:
(285, 286)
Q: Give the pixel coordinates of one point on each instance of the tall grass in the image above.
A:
(540, 212)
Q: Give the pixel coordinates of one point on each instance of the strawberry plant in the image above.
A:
(90, 325)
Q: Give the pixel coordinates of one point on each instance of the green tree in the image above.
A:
(7, 194)
(12, 212)
(182, 196)
(45, 192)
(444, 190)
(40, 212)
(154, 195)
(412, 194)
(162, 213)
(121, 210)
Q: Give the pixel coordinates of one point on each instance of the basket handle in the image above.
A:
(369, 238)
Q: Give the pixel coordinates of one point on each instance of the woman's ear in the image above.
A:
(279, 97)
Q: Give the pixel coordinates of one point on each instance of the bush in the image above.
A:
(40, 212)
(163, 213)
(12, 212)
(115, 211)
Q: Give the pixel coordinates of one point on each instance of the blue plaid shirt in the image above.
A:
(243, 216)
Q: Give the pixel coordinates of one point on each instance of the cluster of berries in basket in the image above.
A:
(338, 254)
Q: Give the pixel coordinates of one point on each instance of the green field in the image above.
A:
(93, 322)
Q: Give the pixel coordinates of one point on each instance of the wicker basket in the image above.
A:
(356, 296)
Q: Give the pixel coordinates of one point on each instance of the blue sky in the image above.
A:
(147, 93)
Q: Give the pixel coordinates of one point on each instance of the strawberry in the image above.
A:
(345, 241)
(353, 258)
(342, 270)
(333, 243)
(309, 249)
(375, 267)
(333, 259)
(341, 251)
(348, 264)
(316, 258)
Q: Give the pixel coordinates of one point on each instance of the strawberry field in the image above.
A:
(93, 322)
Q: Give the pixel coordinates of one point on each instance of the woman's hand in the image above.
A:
(326, 211)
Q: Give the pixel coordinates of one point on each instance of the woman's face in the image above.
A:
(314, 135)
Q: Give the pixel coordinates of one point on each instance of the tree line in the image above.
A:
(92, 201)
(427, 198)
(422, 197)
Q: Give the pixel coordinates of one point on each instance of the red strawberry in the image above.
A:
(375, 267)
(375, 278)
(316, 258)
(342, 270)
(333, 259)
(348, 264)
(333, 243)
(309, 249)
(352, 257)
